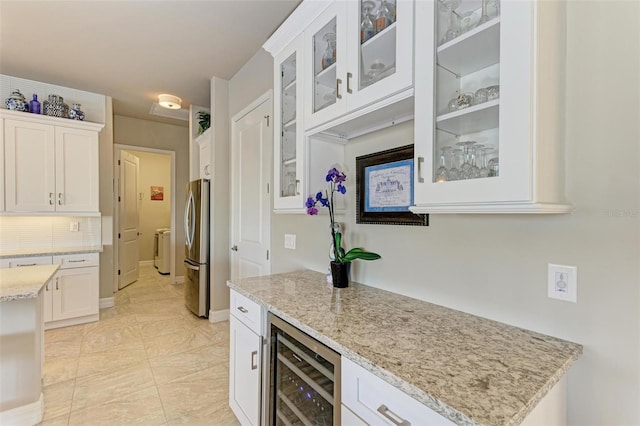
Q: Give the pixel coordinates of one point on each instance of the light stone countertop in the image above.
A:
(24, 282)
(471, 370)
(8, 254)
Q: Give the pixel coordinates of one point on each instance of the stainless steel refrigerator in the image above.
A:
(196, 262)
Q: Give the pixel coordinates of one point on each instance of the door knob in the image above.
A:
(234, 248)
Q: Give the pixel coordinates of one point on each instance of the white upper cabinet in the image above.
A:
(50, 167)
(204, 154)
(288, 128)
(489, 107)
(356, 54)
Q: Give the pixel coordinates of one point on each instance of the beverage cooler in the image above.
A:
(304, 382)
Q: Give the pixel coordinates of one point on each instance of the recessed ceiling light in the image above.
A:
(169, 101)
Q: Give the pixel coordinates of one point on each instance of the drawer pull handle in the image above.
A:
(254, 359)
(242, 309)
(392, 417)
(57, 281)
(76, 261)
(26, 264)
(420, 167)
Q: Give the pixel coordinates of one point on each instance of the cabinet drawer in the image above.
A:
(247, 311)
(29, 261)
(82, 260)
(379, 403)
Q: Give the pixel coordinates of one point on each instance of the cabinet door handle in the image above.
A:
(338, 83)
(46, 287)
(51, 198)
(57, 282)
(59, 198)
(297, 187)
(254, 359)
(242, 309)
(420, 168)
(349, 75)
(206, 170)
(392, 417)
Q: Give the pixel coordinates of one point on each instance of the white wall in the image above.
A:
(495, 265)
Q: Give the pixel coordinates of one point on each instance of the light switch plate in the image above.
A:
(290, 241)
(562, 282)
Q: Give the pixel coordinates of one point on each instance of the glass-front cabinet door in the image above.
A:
(326, 59)
(288, 152)
(485, 131)
(380, 49)
(357, 53)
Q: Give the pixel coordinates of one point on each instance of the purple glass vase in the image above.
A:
(34, 105)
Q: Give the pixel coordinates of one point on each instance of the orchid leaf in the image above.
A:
(358, 253)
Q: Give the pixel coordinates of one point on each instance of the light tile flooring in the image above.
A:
(148, 361)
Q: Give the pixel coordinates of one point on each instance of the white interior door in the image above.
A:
(128, 247)
(252, 141)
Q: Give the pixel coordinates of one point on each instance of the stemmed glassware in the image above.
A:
(367, 28)
(453, 30)
(442, 173)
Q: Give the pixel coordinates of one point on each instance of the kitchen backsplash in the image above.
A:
(49, 232)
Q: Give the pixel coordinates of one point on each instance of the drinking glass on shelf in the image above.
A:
(494, 167)
(455, 160)
(453, 30)
(474, 172)
(367, 28)
(442, 173)
(493, 92)
(482, 154)
(375, 70)
(484, 17)
(465, 168)
(329, 56)
(480, 96)
(383, 17)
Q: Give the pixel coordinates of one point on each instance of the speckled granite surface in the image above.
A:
(24, 282)
(471, 370)
(8, 254)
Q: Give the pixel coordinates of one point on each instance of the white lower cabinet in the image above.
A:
(373, 401)
(72, 296)
(245, 359)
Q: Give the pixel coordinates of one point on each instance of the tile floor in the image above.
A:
(148, 361)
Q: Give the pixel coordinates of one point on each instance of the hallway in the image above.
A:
(148, 361)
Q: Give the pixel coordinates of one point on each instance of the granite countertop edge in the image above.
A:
(11, 254)
(33, 285)
(421, 395)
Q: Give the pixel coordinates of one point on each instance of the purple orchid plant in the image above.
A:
(336, 180)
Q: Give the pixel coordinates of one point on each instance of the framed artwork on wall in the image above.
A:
(384, 188)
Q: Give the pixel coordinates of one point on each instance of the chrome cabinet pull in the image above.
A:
(420, 168)
(338, 83)
(349, 75)
(392, 417)
(51, 198)
(76, 261)
(242, 309)
(57, 282)
(297, 187)
(296, 357)
(26, 264)
(254, 359)
(59, 198)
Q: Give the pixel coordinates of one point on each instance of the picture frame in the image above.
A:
(384, 188)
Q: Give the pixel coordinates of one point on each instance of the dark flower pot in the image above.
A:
(340, 274)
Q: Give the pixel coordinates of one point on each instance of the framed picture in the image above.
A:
(384, 188)
(157, 193)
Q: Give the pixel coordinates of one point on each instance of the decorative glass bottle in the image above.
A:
(34, 105)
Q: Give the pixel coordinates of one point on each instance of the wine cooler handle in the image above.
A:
(392, 417)
(254, 359)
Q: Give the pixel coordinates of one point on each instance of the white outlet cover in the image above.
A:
(290, 241)
(562, 282)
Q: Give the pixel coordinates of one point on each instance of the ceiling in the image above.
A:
(135, 50)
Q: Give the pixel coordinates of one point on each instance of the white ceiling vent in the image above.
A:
(178, 114)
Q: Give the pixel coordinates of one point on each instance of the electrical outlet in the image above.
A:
(562, 282)
(74, 226)
(290, 241)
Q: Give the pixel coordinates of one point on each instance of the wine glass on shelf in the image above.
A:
(375, 69)
(442, 173)
(484, 17)
(453, 30)
(482, 153)
(465, 168)
(455, 162)
(367, 27)
(474, 172)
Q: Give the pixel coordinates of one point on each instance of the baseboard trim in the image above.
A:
(29, 414)
(71, 321)
(218, 316)
(180, 279)
(145, 263)
(107, 302)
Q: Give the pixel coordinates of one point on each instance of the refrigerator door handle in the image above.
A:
(189, 225)
(190, 266)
